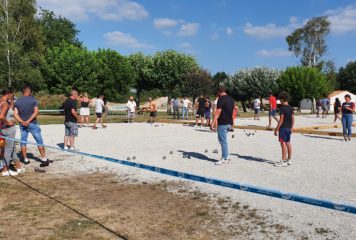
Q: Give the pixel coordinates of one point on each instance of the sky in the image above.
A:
(223, 35)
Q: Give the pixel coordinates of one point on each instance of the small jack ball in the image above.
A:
(171, 152)
(164, 157)
(134, 157)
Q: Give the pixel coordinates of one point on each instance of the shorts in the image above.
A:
(257, 110)
(200, 113)
(84, 111)
(284, 135)
(71, 129)
(207, 114)
(324, 108)
(35, 131)
(272, 112)
(131, 115)
(153, 114)
(99, 115)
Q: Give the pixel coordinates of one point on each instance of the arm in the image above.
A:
(216, 117)
(292, 122)
(280, 124)
(4, 109)
(17, 116)
(34, 115)
(74, 113)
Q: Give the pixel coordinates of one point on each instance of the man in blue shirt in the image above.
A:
(26, 111)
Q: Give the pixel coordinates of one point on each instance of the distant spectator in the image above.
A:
(185, 110)
(348, 108)
(200, 110)
(337, 109)
(99, 108)
(272, 110)
(175, 105)
(153, 110)
(325, 105)
(257, 108)
(26, 111)
(318, 107)
(131, 109)
(70, 120)
(207, 111)
(84, 109)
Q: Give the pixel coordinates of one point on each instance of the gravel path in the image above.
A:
(323, 167)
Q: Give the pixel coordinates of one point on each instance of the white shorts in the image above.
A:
(84, 111)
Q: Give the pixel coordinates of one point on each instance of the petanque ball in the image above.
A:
(171, 152)
(164, 157)
(128, 158)
(134, 157)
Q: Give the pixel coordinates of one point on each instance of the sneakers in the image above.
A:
(26, 161)
(66, 148)
(223, 161)
(72, 148)
(9, 173)
(281, 164)
(289, 161)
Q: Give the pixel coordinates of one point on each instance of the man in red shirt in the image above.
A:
(272, 109)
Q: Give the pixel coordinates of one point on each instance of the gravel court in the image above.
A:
(322, 168)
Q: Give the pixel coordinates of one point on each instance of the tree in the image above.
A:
(309, 42)
(69, 66)
(219, 78)
(197, 82)
(303, 83)
(57, 30)
(143, 81)
(253, 82)
(169, 68)
(114, 74)
(21, 43)
(347, 77)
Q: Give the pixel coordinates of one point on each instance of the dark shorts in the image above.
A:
(273, 112)
(153, 114)
(284, 135)
(257, 110)
(99, 115)
(207, 114)
(71, 129)
(324, 108)
(200, 113)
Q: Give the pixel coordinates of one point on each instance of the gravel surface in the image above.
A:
(323, 167)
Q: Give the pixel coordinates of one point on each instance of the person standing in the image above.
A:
(185, 110)
(99, 108)
(153, 110)
(337, 109)
(207, 111)
(223, 120)
(272, 110)
(25, 112)
(325, 107)
(84, 109)
(200, 106)
(131, 109)
(318, 107)
(70, 120)
(284, 130)
(8, 128)
(175, 104)
(348, 108)
(257, 108)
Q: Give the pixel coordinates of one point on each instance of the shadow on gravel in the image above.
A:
(255, 159)
(61, 145)
(321, 137)
(197, 156)
(203, 130)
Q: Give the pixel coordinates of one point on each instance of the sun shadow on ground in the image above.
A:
(61, 145)
(255, 159)
(33, 157)
(197, 156)
(321, 137)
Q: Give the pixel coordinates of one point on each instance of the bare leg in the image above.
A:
(284, 151)
(71, 141)
(42, 151)
(65, 141)
(202, 121)
(87, 120)
(269, 121)
(289, 147)
(24, 152)
(81, 121)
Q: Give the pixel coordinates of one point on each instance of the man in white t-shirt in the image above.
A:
(185, 108)
(131, 109)
(257, 108)
(99, 106)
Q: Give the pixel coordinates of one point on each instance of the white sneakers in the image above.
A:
(223, 161)
(67, 148)
(289, 161)
(9, 173)
(283, 163)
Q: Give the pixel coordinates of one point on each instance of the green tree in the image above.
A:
(347, 77)
(69, 66)
(309, 42)
(303, 83)
(253, 82)
(169, 68)
(197, 82)
(57, 29)
(21, 44)
(115, 75)
(219, 78)
(143, 74)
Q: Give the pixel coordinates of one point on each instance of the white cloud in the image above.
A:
(124, 39)
(271, 30)
(188, 29)
(164, 23)
(229, 31)
(185, 45)
(342, 20)
(274, 53)
(81, 10)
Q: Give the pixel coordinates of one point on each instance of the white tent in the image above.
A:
(339, 94)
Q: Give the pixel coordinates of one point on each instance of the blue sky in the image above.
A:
(224, 35)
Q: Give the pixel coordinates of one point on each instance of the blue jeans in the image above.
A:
(347, 124)
(32, 128)
(222, 136)
(185, 112)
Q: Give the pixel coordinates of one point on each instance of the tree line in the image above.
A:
(43, 50)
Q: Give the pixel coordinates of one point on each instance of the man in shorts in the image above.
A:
(272, 110)
(153, 110)
(131, 109)
(99, 108)
(207, 111)
(185, 110)
(284, 130)
(70, 120)
(25, 112)
(200, 106)
(257, 108)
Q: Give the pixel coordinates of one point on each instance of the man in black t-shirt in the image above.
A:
(200, 106)
(284, 130)
(223, 120)
(70, 120)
